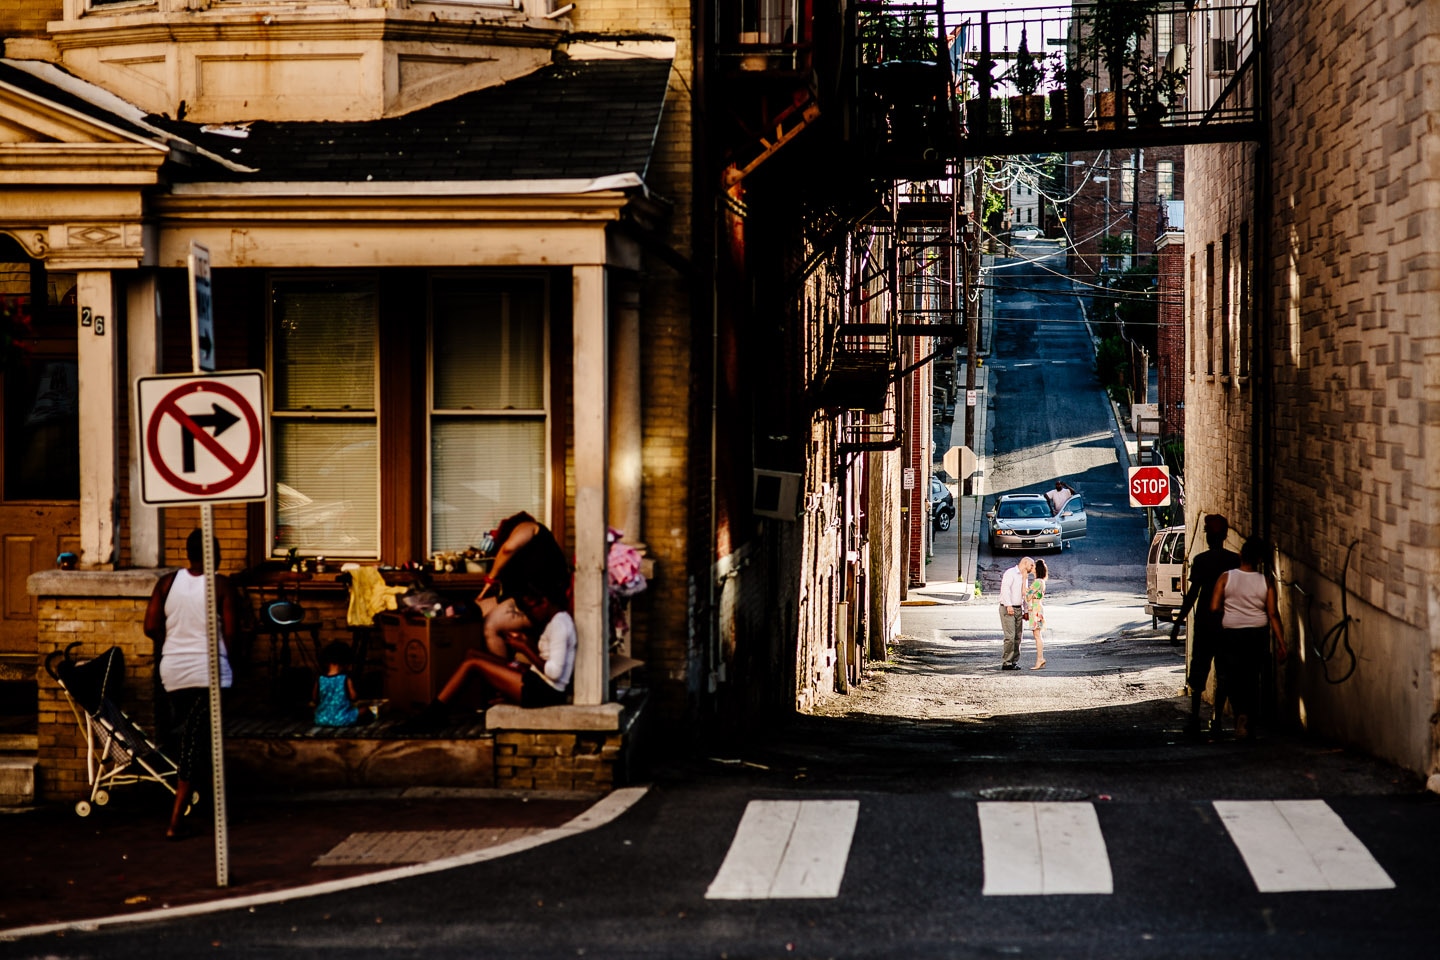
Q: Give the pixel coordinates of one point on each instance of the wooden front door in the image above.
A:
(39, 417)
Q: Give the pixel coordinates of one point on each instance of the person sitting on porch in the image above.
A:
(526, 555)
(541, 633)
(334, 693)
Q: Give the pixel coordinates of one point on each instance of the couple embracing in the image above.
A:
(1021, 600)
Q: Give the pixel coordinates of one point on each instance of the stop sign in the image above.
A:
(1149, 486)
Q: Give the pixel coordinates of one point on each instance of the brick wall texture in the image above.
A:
(660, 615)
(1330, 441)
(27, 18)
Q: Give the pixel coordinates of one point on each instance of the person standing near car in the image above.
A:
(1205, 570)
(1012, 610)
(1059, 496)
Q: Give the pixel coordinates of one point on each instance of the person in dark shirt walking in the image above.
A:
(1205, 569)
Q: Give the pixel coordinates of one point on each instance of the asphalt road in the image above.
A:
(946, 809)
(1050, 421)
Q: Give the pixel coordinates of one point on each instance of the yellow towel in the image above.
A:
(369, 594)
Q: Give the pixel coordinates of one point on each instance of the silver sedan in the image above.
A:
(1023, 521)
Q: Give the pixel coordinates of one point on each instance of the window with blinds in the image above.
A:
(325, 434)
(488, 406)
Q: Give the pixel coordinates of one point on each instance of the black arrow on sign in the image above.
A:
(221, 420)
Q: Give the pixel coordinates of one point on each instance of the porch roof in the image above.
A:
(572, 120)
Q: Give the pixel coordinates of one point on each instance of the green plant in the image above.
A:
(1065, 74)
(1115, 28)
(1112, 367)
(1028, 72)
(1152, 89)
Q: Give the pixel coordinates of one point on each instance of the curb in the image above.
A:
(608, 808)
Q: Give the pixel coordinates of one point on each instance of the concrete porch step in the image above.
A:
(19, 743)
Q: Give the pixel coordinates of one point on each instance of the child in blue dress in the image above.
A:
(334, 693)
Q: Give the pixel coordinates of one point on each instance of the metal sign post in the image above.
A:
(959, 462)
(202, 340)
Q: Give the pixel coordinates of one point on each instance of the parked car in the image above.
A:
(1025, 233)
(1165, 572)
(942, 504)
(1023, 521)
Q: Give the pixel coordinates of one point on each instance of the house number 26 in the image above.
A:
(88, 319)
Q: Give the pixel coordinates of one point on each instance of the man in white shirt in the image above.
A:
(1012, 610)
(1057, 497)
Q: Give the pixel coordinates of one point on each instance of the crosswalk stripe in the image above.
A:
(787, 849)
(1292, 845)
(1043, 848)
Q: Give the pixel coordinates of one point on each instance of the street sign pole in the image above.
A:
(217, 740)
(960, 463)
(202, 339)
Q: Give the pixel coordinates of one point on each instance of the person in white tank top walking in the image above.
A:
(175, 620)
(1244, 600)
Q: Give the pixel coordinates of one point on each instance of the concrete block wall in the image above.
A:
(1351, 332)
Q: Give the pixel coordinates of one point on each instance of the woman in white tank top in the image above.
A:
(175, 620)
(1245, 601)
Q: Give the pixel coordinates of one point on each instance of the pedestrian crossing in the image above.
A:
(799, 849)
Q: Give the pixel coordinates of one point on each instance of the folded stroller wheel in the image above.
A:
(102, 797)
(82, 808)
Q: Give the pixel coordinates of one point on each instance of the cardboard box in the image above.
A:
(421, 655)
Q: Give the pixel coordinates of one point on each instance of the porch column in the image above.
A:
(98, 359)
(142, 337)
(592, 467)
(625, 427)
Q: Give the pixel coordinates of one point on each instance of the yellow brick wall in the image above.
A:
(97, 624)
(557, 761)
(660, 615)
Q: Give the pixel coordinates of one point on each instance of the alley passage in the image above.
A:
(799, 849)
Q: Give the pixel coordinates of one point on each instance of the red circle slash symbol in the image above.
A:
(193, 427)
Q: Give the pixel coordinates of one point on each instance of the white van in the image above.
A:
(1165, 574)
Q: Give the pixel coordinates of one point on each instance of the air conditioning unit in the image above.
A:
(777, 494)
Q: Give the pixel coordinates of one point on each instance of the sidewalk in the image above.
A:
(116, 863)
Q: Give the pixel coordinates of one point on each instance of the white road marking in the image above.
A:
(1043, 848)
(787, 849)
(1291, 845)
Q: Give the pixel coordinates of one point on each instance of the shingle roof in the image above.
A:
(577, 119)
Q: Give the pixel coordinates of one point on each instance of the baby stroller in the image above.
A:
(117, 751)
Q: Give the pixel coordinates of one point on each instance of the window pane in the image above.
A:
(489, 345)
(324, 345)
(327, 488)
(483, 471)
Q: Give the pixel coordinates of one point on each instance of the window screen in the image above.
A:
(325, 433)
(488, 406)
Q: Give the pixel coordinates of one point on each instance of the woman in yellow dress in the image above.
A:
(1035, 597)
